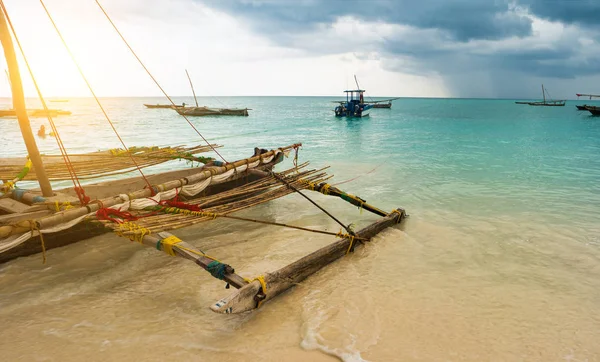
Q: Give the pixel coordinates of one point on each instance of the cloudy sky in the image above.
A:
(426, 48)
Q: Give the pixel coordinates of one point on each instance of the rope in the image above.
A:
(175, 210)
(350, 237)
(93, 93)
(106, 213)
(312, 202)
(61, 146)
(35, 227)
(154, 79)
(136, 232)
(167, 244)
(9, 185)
(263, 286)
(217, 269)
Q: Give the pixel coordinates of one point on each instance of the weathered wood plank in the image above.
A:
(12, 206)
(246, 298)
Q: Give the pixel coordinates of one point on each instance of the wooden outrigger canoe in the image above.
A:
(147, 214)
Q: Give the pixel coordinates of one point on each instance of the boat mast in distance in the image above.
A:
(191, 85)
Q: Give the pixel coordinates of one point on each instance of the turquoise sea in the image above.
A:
(499, 259)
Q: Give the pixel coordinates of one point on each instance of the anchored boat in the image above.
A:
(545, 102)
(146, 208)
(354, 106)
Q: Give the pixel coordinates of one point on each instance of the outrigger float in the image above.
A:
(145, 209)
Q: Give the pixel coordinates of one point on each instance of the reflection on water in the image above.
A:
(500, 259)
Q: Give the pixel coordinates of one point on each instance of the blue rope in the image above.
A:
(216, 269)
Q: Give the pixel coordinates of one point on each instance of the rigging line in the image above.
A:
(93, 93)
(282, 180)
(152, 77)
(61, 145)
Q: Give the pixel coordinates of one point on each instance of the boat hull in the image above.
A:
(205, 111)
(86, 230)
(594, 110)
(162, 106)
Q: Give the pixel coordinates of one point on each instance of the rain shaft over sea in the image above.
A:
(498, 261)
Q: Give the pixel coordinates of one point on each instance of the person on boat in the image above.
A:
(42, 131)
(183, 104)
(362, 100)
(357, 110)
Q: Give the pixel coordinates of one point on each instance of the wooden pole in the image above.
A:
(19, 106)
(191, 85)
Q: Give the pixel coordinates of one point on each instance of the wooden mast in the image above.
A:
(19, 106)
(191, 85)
(543, 93)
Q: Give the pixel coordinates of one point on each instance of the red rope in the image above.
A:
(107, 213)
(180, 205)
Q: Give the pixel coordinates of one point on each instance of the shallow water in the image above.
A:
(499, 260)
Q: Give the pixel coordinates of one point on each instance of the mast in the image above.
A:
(191, 85)
(19, 106)
(544, 93)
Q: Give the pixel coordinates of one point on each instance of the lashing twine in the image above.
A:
(263, 286)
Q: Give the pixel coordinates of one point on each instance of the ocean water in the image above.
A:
(498, 261)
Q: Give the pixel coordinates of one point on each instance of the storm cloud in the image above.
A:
(528, 39)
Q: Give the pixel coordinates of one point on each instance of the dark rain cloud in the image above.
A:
(462, 19)
(579, 12)
(440, 34)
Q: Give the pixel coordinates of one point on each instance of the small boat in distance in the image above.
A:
(581, 108)
(384, 103)
(206, 111)
(546, 103)
(354, 105)
(35, 112)
(164, 105)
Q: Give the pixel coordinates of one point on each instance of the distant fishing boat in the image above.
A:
(545, 102)
(164, 105)
(201, 111)
(354, 105)
(35, 112)
(205, 111)
(385, 103)
(581, 108)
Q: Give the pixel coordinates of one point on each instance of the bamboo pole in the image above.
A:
(19, 106)
(250, 296)
(71, 214)
(191, 85)
(354, 200)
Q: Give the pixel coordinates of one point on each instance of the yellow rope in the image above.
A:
(167, 244)
(65, 206)
(137, 232)
(263, 285)
(35, 227)
(325, 189)
(341, 235)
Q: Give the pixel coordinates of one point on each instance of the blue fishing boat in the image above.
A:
(354, 105)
